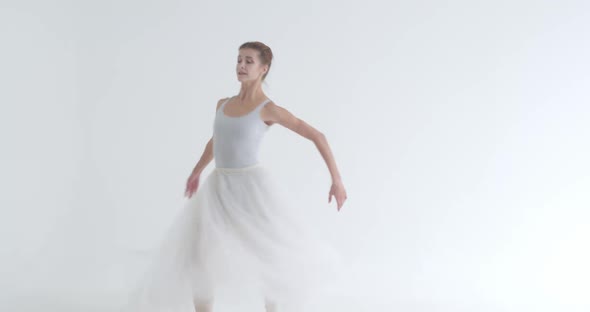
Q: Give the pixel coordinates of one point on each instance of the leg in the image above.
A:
(203, 291)
(270, 305)
(203, 305)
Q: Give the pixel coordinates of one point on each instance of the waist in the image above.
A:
(238, 169)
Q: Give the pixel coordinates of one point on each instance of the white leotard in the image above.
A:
(236, 139)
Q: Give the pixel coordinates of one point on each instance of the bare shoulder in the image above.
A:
(272, 112)
(221, 102)
(272, 108)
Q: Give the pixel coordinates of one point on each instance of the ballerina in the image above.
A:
(236, 218)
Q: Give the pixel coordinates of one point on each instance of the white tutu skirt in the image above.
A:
(237, 232)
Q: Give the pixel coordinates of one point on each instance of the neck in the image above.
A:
(250, 91)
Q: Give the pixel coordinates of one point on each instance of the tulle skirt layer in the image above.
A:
(237, 232)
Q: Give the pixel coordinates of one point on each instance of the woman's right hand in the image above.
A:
(192, 184)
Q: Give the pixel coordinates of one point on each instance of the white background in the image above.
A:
(460, 129)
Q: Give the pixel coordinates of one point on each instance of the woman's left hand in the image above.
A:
(337, 190)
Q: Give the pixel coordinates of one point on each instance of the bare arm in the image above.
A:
(273, 113)
(205, 159)
(193, 180)
(276, 114)
(207, 155)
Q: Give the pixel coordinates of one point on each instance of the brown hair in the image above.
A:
(265, 53)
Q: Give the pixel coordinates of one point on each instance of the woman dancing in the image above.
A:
(237, 224)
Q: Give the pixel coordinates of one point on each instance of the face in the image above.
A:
(249, 67)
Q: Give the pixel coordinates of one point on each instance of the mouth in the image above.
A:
(241, 73)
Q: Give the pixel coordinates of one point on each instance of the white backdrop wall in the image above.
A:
(460, 129)
(41, 134)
